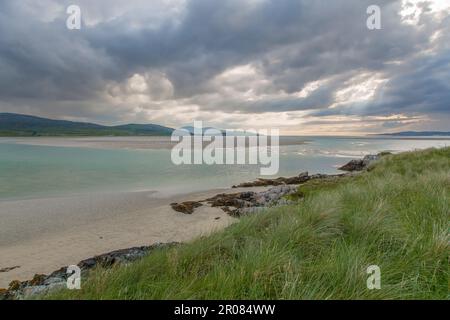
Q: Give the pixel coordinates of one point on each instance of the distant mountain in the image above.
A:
(417, 133)
(205, 131)
(191, 129)
(12, 124)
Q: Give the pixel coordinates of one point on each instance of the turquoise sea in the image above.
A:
(31, 171)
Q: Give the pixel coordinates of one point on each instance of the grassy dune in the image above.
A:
(395, 216)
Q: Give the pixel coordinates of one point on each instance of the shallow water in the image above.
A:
(31, 171)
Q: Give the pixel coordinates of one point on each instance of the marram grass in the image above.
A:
(395, 216)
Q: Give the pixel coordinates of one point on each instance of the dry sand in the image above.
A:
(43, 235)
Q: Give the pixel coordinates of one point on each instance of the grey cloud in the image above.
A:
(47, 69)
(422, 86)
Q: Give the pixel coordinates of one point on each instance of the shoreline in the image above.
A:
(127, 220)
(38, 236)
(124, 143)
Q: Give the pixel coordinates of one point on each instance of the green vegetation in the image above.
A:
(57, 132)
(395, 215)
(19, 125)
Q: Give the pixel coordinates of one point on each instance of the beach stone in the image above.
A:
(29, 292)
(8, 269)
(237, 200)
(237, 204)
(285, 202)
(32, 291)
(14, 285)
(42, 284)
(361, 164)
(55, 280)
(37, 279)
(353, 165)
(3, 294)
(301, 178)
(186, 207)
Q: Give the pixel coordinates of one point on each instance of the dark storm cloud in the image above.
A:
(311, 39)
(38, 58)
(47, 69)
(422, 86)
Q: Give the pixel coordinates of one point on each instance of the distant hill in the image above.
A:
(233, 133)
(417, 133)
(12, 124)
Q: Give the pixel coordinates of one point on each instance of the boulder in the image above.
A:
(359, 165)
(41, 284)
(301, 178)
(8, 269)
(186, 207)
(236, 204)
(353, 165)
(237, 200)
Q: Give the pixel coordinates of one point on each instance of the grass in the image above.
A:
(396, 216)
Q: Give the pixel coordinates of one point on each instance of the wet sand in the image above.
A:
(43, 235)
(134, 143)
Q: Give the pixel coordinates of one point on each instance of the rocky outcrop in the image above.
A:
(232, 202)
(8, 269)
(237, 204)
(301, 178)
(353, 165)
(42, 284)
(186, 207)
(361, 164)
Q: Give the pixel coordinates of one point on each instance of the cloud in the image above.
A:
(228, 62)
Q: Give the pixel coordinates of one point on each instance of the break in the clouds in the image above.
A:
(303, 66)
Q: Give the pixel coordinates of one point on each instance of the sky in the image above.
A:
(304, 67)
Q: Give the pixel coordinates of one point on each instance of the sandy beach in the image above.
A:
(133, 143)
(39, 236)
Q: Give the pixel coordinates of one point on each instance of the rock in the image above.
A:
(301, 178)
(14, 285)
(3, 294)
(42, 284)
(260, 201)
(247, 195)
(118, 256)
(353, 165)
(370, 158)
(359, 165)
(237, 204)
(37, 279)
(55, 280)
(8, 269)
(237, 200)
(28, 292)
(186, 207)
(57, 285)
(284, 202)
